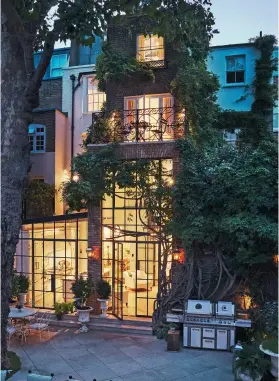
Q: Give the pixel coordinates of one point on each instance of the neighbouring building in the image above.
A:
(53, 250)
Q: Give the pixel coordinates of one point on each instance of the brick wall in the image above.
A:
(51, 94)
(123, 41)
(47, 118)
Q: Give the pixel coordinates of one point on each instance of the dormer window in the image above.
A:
(150, 48)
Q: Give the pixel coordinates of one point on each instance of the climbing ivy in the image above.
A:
(117, 66)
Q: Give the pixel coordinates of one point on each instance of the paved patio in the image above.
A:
(116, 357)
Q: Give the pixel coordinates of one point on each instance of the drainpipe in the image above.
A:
(72, 78)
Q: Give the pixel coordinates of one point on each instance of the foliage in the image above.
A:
(103, 289)
(106, 128)
(268, 319)
(82, 289)
(250, 360)
(117, 66)
(63, 308)
(265, 92)
(196, 90)
(15, 286)
(23, 283)
(226, 210)
(271, 345)
(14, 365)
(162, 330)
(39, 198)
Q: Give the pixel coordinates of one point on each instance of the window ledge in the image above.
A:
(242, 84)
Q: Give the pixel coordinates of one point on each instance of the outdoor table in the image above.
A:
(21, 314)
(17, 314)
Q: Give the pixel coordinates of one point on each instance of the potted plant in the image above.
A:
(268, 326)
(270, 348)
(103, 289)
(82, 289)
(23, 286)
(59, 310)
(250, 364)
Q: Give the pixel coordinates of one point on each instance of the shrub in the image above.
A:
(103, 289)
(251, 361)
(82, 289)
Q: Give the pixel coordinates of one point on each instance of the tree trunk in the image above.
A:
(15, 163)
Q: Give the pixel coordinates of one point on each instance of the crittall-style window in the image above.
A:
(56, 64)
(37, 138)
(235, 69)
(95, 98)
(150, 48)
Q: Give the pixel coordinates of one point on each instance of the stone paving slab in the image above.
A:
(108, 356)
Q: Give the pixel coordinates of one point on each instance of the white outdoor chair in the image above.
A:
(11, 330)
(41, 324)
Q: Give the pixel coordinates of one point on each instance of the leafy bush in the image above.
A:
(268, 319)
(163, 329)
(103, 288)
(251, 361)
(63, 308)
(82, 289)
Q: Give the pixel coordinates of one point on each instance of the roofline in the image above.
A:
(232, 45)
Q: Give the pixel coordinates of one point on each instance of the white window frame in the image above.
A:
(138, 48)
(86, 98)
(245, 70)
(230, 139)
(35, 134)
(60, 67)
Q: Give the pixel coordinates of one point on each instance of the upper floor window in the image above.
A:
(95, 98)
(37, 138)
(232, 137)
(150, 48)
(235, 69)
(57, 62)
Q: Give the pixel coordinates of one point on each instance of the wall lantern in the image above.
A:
(176, 254)
(275, 259)
(93, 253)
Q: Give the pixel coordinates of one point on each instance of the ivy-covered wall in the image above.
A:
(121, 40)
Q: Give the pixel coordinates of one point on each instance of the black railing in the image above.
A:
(145, 125)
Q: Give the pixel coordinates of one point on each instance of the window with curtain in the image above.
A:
(95, 98)
(57, 62)
(150, 48)
(235, 69)
(37, 138)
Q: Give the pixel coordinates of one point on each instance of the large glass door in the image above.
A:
(117, 279)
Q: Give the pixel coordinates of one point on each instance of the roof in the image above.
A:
(244, 44)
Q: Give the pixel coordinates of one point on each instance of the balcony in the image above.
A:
(145, 125)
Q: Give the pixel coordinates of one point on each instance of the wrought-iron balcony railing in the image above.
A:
(145, 125)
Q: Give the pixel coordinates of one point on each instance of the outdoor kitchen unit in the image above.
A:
(208, 325)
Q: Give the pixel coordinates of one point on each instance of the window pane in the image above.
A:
(239, 76)
(56, 72)
(240, 63)
(230, 64)
(230, 77)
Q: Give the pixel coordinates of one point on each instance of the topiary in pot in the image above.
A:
(103, 289)
(82, 289)
(23, 287)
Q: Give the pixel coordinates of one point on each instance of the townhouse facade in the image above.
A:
(54, 250)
